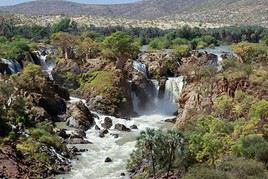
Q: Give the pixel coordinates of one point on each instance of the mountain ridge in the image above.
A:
(219, 11)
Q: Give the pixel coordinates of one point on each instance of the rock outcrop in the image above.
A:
(79, 116)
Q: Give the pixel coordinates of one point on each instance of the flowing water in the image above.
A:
(47, 65)
(220, 51)
(13, 65)
(91, 164)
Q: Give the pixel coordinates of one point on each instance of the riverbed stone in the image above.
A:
(122, 127)
(134, 127)
(108, 160)
(108, 123)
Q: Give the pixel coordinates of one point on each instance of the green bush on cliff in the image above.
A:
(43, 133)
(209, 139)
(249, 52)
(259, 110)
(182, 51)
(102, 81)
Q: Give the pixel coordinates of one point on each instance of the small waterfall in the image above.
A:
(140, 67)
(13, 65)
(47, 65)
(173, 88)
(219, 52)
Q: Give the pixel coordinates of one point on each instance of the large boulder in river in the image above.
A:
(160, 63)
(108, 123)
(79, 116)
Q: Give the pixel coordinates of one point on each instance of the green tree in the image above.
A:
(65, 42)
(210, 139)
(86, 46)
(119, 46)
(175, 147)
(253, 147)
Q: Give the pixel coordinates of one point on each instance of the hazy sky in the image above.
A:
(11, 2)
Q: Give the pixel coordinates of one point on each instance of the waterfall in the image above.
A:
(47, 65)
(165, 104)
(91, 163)
(140, 67)
(219, 52)
(13, 65)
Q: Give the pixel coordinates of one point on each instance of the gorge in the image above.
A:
(116, 102)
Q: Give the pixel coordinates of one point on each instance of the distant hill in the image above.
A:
(220, 11)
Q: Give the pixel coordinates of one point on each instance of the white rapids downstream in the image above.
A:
(91, 164)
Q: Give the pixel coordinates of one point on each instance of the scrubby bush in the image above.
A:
(210, 139)
(252, 147)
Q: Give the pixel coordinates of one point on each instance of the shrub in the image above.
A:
(43, 133)
(224, 106)
(252, 147)
(259, 110)
(182, 51)
(202, 172)
(210, 139)
(243, 168)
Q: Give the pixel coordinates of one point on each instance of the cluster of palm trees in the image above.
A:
(158, 151)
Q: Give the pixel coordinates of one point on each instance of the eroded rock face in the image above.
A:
(79, 116)
(229, 87)
(15, 165)
(54, 106)
(160, 63)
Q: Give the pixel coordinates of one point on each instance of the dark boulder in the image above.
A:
(79, 116)
(103, 132)
(4, 69)
(122, 127)
(97, 128)
(173, 120)
(54, 106)
(133, 127)
(115, 135)
(77, 141)
(108, 123)
(108, 160)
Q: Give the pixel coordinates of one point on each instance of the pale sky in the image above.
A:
(12, 2)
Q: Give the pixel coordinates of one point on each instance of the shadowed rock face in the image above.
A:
(79, 116)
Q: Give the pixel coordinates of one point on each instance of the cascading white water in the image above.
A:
(13, 65)
(167, 103)
(219, 52)
(163, 105)
(47, 66)
(91, 164)
(140, 67)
